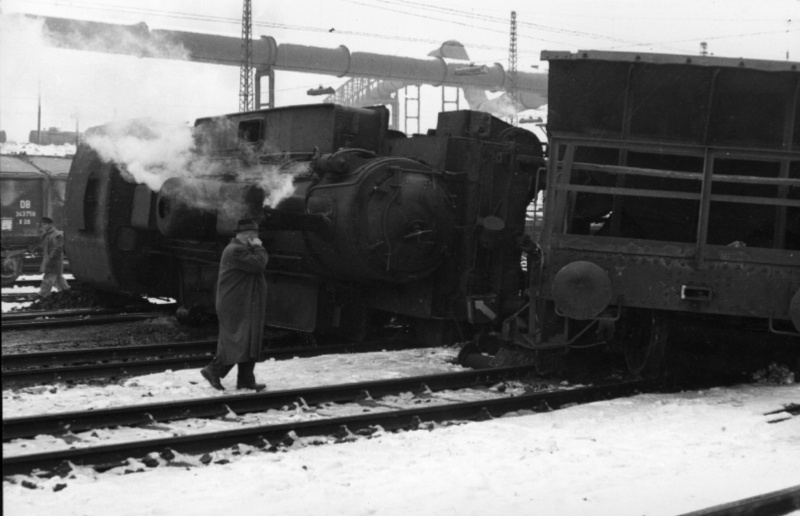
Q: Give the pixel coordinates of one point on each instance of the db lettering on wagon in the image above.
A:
(25, 211)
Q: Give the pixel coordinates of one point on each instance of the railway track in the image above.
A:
(28, 427)
(60, 358)
(25, 369)
(78, 317)
(38, 282)
(30, 283)
(18, 297)
(269, 436)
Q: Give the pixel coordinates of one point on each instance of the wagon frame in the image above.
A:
(584, 281)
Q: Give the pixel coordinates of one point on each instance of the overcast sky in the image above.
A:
(91, 88)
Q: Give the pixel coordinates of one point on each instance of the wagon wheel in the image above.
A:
(12, 268)
(644, 342)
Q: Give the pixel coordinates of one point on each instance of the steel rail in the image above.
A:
(30, 377)
(80, 320)
(24, 315)
(29, 283)
(27, 315)
(33, 264)
(19, 297)
(30, 426)
(108, 456)
(17, 361)
(193, 358)
(775, 503)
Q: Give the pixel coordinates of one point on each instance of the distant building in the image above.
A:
(2, 137)
(53, 136)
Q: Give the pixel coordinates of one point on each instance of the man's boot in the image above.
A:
(246, 378)
(214, 372)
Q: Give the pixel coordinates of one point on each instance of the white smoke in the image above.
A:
(43, 64)
(277, 186)
(149, 151)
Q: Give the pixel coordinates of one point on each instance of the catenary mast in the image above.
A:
(246, 70)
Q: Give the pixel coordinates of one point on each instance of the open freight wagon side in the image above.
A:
(672, 202)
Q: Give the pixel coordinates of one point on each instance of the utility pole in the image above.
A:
(788, 31)
(246, 70)
(512, 63)
(39, 116)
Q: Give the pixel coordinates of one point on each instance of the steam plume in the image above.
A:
(150, 152)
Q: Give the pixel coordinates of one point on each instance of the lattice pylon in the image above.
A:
(246, 69)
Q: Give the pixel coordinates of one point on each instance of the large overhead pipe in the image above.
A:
(508, 104)
(267, 53)
(435, 71)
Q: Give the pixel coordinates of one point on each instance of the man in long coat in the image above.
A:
(52, 266)
(241, 305)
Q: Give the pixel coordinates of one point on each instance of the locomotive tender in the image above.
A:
(671, 199)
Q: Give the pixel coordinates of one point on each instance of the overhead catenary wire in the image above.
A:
(582, 34)
(463, 23)
(498, 20)
(450, 11)
(280, 26)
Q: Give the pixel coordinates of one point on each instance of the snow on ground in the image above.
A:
(187, 383)
(32, 149)
(17, 289)
(647, 455)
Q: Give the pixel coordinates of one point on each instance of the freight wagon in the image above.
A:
(32, 187)
(672, 202)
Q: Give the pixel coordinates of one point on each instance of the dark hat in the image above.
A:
(246, 225)
(47, 220)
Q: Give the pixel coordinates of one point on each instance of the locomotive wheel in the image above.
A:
(12, 268)
(644, 343)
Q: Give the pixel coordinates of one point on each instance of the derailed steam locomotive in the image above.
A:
(428, 228)
(670, 200)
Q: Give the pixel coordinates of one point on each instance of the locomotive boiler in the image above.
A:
(373, 224)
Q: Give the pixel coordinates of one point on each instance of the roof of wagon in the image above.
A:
(642, 57)
(52, 164)
(15, 165)
(35, 165)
